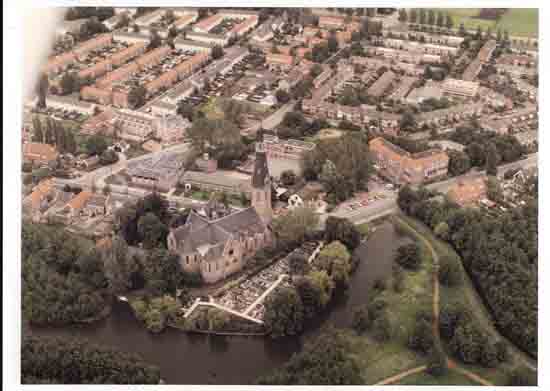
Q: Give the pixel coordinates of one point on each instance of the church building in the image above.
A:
(217, 241)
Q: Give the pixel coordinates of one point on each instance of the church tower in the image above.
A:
(261, 185)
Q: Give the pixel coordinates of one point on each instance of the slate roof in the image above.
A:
(261, 170)
(209, 236)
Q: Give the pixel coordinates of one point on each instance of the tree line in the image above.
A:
(48, 360)
(499, 253)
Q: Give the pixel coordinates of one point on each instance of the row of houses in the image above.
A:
(60, 62)
(105, 92)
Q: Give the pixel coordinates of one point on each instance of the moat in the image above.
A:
(202, 359)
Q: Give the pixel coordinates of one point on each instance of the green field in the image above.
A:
(518, 21)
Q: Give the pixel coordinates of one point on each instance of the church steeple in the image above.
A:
(261, 184)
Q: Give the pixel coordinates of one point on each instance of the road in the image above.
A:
(389, 205)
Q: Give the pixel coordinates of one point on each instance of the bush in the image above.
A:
(489, 355)
(437, 362)
(360, 319)
(377, 306)
(450, 271)
(502, 351)
(380, 284)
(522, 377)
(421, 338)
(382, 328)
(408, 256)
(398, 278)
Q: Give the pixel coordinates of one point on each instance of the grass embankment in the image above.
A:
(466, 295)
(381, 360)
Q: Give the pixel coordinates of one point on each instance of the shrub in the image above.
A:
(450, 271)
(360, 319)
(408, 256)
(421, 338)
(382, 327)
(437, 363)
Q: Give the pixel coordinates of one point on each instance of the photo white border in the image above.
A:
(13, 66)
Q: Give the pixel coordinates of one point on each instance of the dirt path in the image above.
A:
(435, 304)
(399, 376)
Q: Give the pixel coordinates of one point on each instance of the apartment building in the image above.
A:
(213, 39)
(134, 126)
(487, 50)
(69, 103)
(286, 149)
(123, 56)
(95, 43)
(184, 21)
(404, 85)
(280, 61)
(453, 113)
(95, 94)
(150, 18)
(193, 46)
(418, 47)
(380, 86)
(171, 129)
(131, 38)
(401, 167)
(460, 87)
(207, 24)
(244, 27)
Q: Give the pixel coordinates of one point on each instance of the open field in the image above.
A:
(518, 21)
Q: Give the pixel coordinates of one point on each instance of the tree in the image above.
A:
(38, 135)
(288, 177)
(437, 362)
(315, 290)
(382, 328)
(137, 96)
(282, 96)
(431, 17)
(489, 355)
(421, 338)
(440, 19)
(69, 83)
(186, 110)
(81, 363)
(413, 15)
(408, 256)
(449, 21)
(422, 16)
(119, 266)
(450, 271)
(108, 157)
(341, 229)
(466, 343)
(522, 377)
(335, 259)
(361, 320)
(462, 30)
(96, 145)
(284, 313)
(155, 40)
(294, 226)
(492, 160)
(459, 163)
(332, 43)
(326, 360)
(407, 121)
(298, 264)
(402, 15)
(217, 52)
(42, 89)
(152, 230)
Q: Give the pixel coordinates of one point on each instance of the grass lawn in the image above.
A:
(451, 378)
(518, 21)
(384, 359)
(467, 295)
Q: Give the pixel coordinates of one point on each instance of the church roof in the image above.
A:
(208, 237)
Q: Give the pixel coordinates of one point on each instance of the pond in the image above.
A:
(201, 359)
